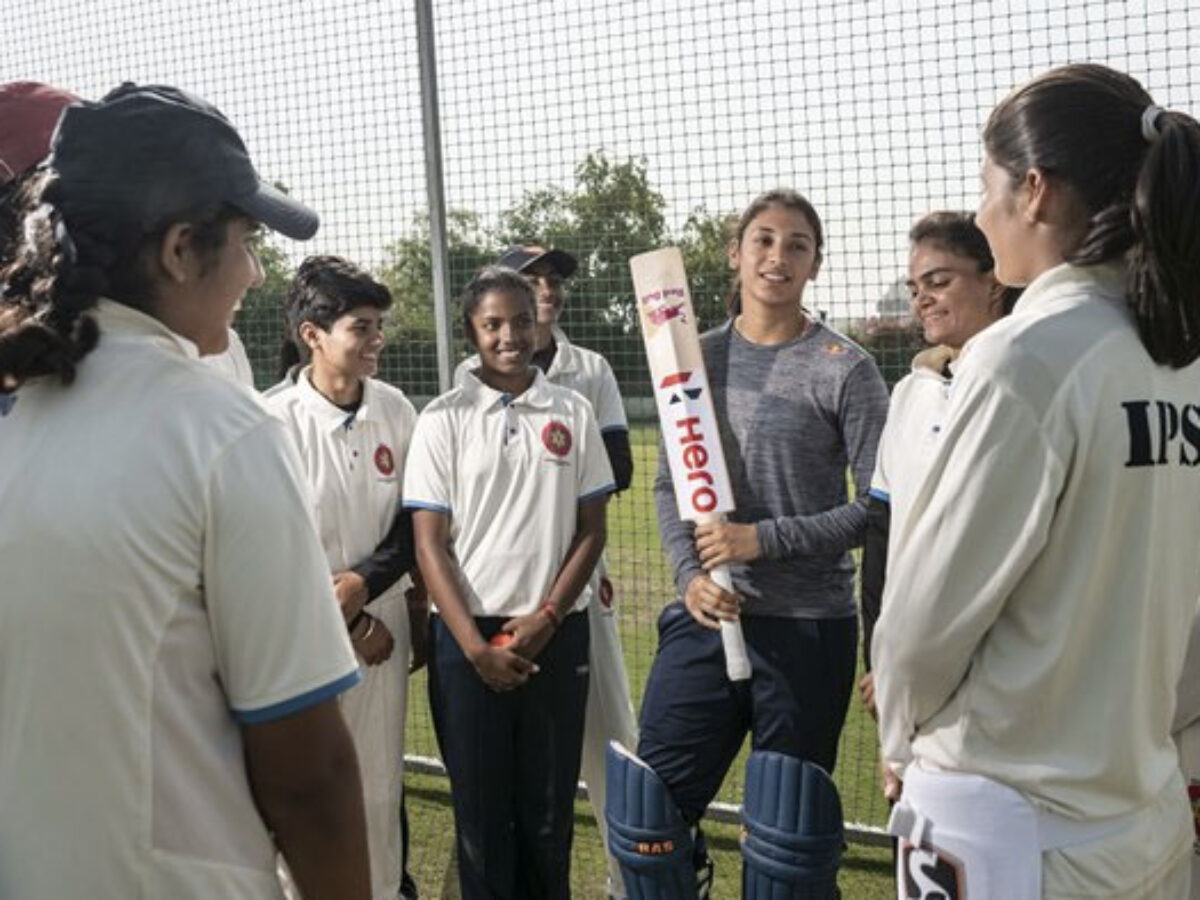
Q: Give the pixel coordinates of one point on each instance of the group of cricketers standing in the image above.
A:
(219, 596)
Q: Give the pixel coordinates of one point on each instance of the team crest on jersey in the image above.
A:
(606, 594)
(931, 874)
(384, 461)
(836, 349)
(556, 438)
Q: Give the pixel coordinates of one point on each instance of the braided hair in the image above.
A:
(65, 257)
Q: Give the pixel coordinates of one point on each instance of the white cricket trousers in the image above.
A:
(375, 713)
(963, 835)
(1188, 742)
(609, 714)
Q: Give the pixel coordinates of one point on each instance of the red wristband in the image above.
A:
(551, 613)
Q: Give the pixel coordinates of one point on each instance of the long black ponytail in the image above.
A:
(1136, 170)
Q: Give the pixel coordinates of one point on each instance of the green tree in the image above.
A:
(704, 241)
(610, 214)
(260, 323)
(407, 268)
(410, 358)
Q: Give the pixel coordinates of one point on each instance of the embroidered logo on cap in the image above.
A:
(383, 460)
(557, 438)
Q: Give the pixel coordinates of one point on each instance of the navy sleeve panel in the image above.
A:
(620, 456)
(395, 555)
(874, 567)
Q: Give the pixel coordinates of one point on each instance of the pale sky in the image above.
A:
(871, 109)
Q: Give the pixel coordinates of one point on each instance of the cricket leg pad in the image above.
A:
(792, 834)
(646, 833)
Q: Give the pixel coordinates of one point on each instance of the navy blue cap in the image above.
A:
(148, 153)
(522, 257)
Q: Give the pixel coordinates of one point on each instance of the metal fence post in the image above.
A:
(435, 188)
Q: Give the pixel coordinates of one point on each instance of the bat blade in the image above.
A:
(686, 416)
(681, 391)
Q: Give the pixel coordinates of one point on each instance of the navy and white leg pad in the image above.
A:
(792, 830)
(646, 834)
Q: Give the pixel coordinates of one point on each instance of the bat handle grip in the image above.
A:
(737, 662)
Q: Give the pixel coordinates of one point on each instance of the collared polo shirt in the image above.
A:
(354, 462)
(916, 416)
(162, 583)
(510, 473)
(233, 361)
(582, 370)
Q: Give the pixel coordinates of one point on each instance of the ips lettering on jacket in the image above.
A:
(1161, 432)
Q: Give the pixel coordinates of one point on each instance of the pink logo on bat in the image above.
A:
(662, 306)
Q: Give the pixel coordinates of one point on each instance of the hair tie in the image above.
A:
(62, 237)
(1149, 130)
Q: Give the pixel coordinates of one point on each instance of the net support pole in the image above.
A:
(431, 127)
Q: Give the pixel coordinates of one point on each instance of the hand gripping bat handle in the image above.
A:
(737, 663)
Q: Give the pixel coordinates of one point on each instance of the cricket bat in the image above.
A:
(685, 412)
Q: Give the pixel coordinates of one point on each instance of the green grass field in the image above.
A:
(642, 580)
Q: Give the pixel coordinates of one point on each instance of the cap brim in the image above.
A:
(521, 258)
(562, 262)
(276, 210)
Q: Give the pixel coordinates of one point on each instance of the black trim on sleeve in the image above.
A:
(874, 568)
(620, 456)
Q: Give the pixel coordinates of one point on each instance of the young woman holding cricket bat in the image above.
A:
(508, 479)
(797, 403)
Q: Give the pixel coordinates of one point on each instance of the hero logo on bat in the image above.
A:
(689, 436)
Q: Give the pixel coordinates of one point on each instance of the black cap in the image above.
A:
(521, 258)
(147, 154)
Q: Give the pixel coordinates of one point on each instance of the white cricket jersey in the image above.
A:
(163, 582)
(582, 370)
(916, 414)
(510, 472)
(354, 462)
(233, 362)
(1041, 589)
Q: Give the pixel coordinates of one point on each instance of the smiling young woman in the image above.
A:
(353, 432)
(165, 603)
(508, 481)
(796, 404)
(955, 295)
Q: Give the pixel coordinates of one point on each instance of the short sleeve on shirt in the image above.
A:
(610, 411)
(280, 641)
(880, 489)
(428, 471)
(595, 472)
